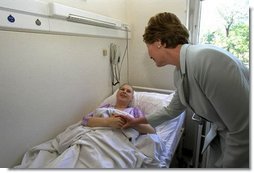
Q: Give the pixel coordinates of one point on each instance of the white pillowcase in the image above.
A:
(148, 102)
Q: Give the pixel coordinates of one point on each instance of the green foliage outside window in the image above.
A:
(233, 35)
(237, 42)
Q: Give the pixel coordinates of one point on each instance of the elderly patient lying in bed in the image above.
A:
(107, 115)
(99, 142)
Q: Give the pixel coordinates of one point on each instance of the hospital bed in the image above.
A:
(84, 147)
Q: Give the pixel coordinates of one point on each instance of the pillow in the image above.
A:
(110, 100)
(148, 102)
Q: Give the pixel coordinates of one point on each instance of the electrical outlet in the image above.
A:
(104, 52)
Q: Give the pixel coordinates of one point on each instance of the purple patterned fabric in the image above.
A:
(136, 112)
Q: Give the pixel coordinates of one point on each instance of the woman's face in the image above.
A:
(125, 93)
(155, 51)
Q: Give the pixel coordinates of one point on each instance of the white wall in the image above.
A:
(143, 71)
(110, 8)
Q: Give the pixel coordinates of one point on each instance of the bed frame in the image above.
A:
(147, 89)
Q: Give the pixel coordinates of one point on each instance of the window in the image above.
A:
(225, 23)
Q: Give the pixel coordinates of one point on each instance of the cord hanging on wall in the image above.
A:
(116, 62)
(115, 57)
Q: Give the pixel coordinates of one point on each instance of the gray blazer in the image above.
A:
(215, 85)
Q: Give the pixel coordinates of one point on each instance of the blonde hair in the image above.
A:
(128, 85)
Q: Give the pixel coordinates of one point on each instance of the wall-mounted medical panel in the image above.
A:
(57, 10)
(72, 28)
(10, 20)
(56, 18)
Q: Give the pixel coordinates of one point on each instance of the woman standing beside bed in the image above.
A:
(124, 97)
(211, 82)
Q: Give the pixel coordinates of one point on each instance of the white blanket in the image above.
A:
(100, 147)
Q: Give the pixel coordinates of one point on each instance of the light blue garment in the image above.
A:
(217, 89)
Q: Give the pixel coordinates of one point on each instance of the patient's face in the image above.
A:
(125, 93)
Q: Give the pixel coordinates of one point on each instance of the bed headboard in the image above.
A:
(147, 89)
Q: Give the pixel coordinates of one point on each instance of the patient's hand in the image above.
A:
(116, 121)
(137, 124)
(129, 122)
(112, 121)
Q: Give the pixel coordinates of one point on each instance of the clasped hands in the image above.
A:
(121, 121)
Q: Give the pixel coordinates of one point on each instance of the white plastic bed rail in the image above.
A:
(147, 89)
